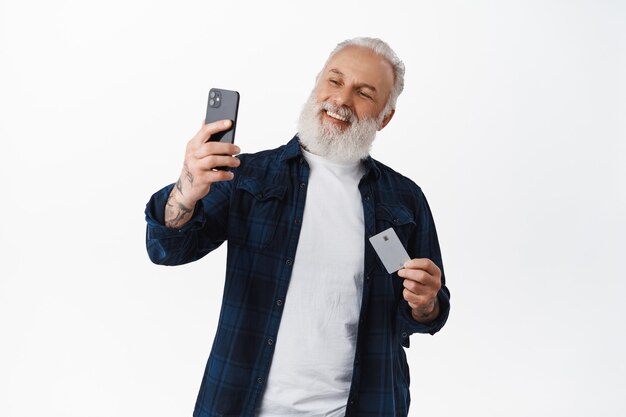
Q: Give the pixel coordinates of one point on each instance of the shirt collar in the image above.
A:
(371, 167)
(292, 149)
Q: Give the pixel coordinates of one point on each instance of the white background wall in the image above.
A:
(512, 121)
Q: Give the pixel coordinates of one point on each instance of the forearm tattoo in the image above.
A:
(176, 213)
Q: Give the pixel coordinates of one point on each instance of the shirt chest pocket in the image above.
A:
(255, 213)
(398, 217)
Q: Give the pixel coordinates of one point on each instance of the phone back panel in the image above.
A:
(222, 104)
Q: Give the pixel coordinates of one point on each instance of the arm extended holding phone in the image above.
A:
(207, 155)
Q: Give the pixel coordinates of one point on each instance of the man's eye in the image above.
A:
(364, 94)
(333, 82)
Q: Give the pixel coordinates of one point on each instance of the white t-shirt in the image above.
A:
(311, 371)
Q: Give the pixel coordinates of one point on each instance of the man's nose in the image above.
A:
(343, 97)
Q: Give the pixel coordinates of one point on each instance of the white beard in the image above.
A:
(326, 139)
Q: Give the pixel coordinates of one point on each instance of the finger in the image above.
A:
(418, 275)
(209, 129)
(213, 161)
(415, 300)
(423, 263)
(216, 148)
(419, 300)
(414, 286)
(217, 176)
(409, 297)
(420, 281)
(420, 290)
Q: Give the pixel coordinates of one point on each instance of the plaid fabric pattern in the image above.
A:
(259, 213)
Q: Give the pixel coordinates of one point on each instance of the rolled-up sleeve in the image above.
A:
(204, 232)
(424, 244)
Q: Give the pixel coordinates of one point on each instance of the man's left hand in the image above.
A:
(422, 281)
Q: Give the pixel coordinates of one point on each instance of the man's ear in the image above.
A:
(387, 119)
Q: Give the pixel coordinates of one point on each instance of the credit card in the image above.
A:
(390, 250)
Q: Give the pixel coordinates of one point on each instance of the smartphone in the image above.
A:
(223, 104)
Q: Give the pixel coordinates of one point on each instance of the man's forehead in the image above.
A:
(361, 62)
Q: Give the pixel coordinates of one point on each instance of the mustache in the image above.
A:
(340, 110)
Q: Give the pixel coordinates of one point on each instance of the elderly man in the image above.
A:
(311, 323)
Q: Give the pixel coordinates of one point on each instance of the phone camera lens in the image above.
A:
(211, 102)
(212, 94)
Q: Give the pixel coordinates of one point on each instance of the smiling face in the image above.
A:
(355, 80)
(340, 119)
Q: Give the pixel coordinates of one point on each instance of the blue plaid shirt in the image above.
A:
(260, 213)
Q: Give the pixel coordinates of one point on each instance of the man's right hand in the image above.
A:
(199, 172)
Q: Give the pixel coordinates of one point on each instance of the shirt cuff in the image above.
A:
(409, 325)
(155, 216)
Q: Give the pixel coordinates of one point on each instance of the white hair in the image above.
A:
(381, 48)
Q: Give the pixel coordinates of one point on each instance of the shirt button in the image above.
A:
(351, 402)
(404, 335)
(288, 261)
(367, 278)
(279, 302)
(297, 221)
(302, 185)
(270, 342)
(367, 197)
(259, 381)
